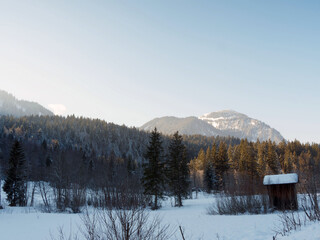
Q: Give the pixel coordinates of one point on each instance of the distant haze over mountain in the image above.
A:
(9, 105)
(222, 123)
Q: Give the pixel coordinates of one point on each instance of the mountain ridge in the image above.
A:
(11, 106)
(221, 123)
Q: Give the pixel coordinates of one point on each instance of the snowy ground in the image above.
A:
(29, 223)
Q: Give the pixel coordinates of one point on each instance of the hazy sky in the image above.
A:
(128, 62)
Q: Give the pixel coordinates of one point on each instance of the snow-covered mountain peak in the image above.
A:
(222, 123)
(240, 125)
(226, 114)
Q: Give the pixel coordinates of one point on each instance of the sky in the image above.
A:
(128, 62)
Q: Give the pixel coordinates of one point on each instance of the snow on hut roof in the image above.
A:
(280, 179)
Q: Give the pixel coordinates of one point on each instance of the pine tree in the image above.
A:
(1, 160)
(153, 170)
(201, 159)
(261, 153)
(194, 174)
(232, 164)
(288, 161)
(272, 159)
(209, 177)
(234, 157)
(15, 182)
(243, 163)
(177, 169)
(252, 162)
(213, 154)
(221, 163)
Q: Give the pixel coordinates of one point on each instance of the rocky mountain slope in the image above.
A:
(9, 105)
(187, 126)
(222, 123)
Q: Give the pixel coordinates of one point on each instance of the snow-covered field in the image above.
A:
(29, 223)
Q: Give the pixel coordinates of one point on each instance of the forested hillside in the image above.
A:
(9, 105)
(91, 136)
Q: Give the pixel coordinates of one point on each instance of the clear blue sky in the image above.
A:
(130, 61)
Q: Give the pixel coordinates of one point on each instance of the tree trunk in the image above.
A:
(156, 201)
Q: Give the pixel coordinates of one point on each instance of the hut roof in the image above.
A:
(280, 179)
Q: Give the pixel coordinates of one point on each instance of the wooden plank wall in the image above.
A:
(283, 196)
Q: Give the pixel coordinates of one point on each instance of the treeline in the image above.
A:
(240, 168)
(92, 136)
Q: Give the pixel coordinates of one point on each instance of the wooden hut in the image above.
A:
(282, 190)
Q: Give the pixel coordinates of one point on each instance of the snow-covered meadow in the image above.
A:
(18, 223)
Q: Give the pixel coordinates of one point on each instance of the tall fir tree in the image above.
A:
(272, 159)
(194, 171)
(1, 160)
(261, 156)
(221, 163)
(208, 157)
(288, 161)
(201, 159)
(252, 162)
(177, 169)
(244, 155)
(15, 184)
(153, 171)
(209, 178)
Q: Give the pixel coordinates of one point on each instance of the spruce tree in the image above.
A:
(208, 157)
(201, 159)
(1, 161)
(209, 178)
(272, 159)
(244, 156)
(15, 182)
(177, 169)
(261, 155)
(153, 171)
(221, 163)
(194, 171)
(252, 165)
(288, 166)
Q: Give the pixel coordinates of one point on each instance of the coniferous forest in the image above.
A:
(72, 156)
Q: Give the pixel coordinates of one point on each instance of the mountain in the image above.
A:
(9, 105)
(222, 123)
(187, 126)
(232, 123)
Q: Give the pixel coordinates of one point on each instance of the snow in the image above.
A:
(310, 232)
(29, 223)
(280, 179)
(192, 217)
(199, 225)
(212, 121)
(206, 114)
(18, 106)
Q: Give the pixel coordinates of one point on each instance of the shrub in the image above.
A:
(235, 205)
